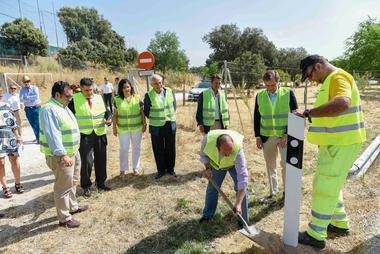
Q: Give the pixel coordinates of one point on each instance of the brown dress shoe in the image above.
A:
(80, 209)
(70, 224)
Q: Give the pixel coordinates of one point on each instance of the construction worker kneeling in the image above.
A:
(222, 152)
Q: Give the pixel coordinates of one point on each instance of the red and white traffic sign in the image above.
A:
(145, 60)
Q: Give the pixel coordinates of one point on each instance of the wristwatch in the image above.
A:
(306, 114)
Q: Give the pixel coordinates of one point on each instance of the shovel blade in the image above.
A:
(251, 232)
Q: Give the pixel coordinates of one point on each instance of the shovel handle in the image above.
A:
(228, 201)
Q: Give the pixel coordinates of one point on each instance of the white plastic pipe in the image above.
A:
(365, 160)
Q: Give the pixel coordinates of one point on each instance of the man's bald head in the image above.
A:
(225, 144)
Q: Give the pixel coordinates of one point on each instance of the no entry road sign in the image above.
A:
(145, 60)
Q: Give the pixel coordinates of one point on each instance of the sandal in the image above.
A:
(7, 192)
(19, 188)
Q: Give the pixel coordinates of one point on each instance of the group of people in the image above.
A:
(72, 135)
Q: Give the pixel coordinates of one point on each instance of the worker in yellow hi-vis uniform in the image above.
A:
(337, 127)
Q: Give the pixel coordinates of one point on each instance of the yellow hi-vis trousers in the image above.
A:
(334, 162)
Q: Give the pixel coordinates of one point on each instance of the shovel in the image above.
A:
(249, 231)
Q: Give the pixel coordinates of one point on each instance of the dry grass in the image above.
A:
(141, 215)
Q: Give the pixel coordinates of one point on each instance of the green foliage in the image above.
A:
(290, 58)
(363, 48)
(91, 39)
(284, 76)
(362, 80)
(22, 35)
(205, 71)
(247, 69)
(167, 53)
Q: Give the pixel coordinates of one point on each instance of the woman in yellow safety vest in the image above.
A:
(129, 125)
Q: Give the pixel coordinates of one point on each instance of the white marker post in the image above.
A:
(296, 133)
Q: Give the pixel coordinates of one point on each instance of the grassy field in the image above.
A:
(142, 215)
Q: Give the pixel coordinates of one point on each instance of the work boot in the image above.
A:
(338, 231)
(306, 239)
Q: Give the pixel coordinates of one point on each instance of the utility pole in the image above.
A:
(19, 8)
(55, 25)
(43, 21)
(39, 15)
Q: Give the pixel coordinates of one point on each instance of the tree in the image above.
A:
(247, 69)
(254, 40)
(225, 41)
(167, 53)
(363, 48)
(289, 60)
(90, 33)
(23, 36)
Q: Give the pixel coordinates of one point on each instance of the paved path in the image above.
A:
(36, 177)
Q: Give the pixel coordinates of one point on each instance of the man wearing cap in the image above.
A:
(222, 152)
(159, 107)
(60, 140)
(212, 110)
(30, 97)
(270, 125)
(13, 99)
(337, 127)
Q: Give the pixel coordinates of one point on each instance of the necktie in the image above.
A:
(89, 103)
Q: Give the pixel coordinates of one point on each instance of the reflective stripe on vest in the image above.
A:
(128, 114)
(274, 116)
(344, 129)
(90, 119)
(161, 112)
(68, 126)
(208, 108)
(212, 151)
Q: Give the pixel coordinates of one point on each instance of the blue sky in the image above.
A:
(319, 26)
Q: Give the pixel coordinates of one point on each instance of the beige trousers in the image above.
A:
(66, 180)
(217, 126)
(271, 149)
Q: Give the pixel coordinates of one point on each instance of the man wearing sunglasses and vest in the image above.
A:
(212, 109)
(337, 127)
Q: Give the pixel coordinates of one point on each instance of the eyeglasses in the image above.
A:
(308, 76)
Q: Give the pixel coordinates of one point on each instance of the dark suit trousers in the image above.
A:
(164, 148)
(93, 150)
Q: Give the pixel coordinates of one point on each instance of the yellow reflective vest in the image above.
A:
(345, 129)
(161, 112)
(128, 114)
(208, 108)
(212, 151)
(274, 117)
(68, 126)
(90, 119)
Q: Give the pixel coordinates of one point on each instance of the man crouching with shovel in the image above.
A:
(222, 152)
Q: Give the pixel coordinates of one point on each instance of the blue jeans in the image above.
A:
(212, 194)
(33, 117)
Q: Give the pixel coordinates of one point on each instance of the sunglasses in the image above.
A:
(13, 88)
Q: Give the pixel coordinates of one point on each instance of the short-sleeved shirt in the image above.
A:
(30, 96)
(8, 142)
(340, 86)
(13, 100)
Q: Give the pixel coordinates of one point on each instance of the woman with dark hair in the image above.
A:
(129, 125)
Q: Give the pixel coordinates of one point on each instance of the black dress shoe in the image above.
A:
(306, 239)
(338, 231)
(159, 175)
(172, 174)
(104, 188)
(87, 192)
(205, 220)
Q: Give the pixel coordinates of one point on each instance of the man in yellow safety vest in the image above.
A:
(337, 127)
